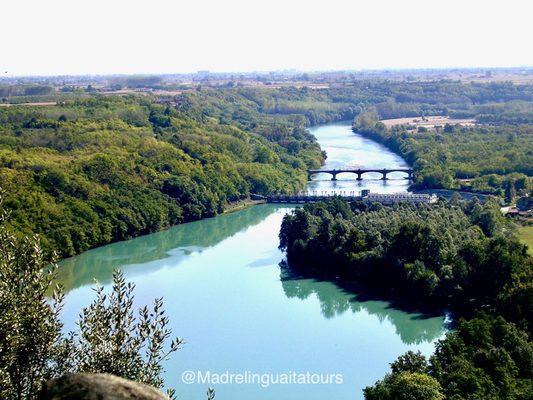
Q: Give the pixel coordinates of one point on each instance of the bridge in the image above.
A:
(334, 172)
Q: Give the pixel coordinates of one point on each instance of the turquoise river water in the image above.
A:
(240, 313)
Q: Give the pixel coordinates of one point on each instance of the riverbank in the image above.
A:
(241, 205)
(444, 158)
(108, 176)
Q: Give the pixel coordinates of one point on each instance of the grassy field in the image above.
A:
(525, 233)
(428, 122)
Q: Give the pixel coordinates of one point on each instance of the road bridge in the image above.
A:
(359, 172)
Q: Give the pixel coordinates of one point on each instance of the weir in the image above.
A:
(307, 198)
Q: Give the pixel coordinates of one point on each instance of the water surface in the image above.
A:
(346, 150)
(239, 311)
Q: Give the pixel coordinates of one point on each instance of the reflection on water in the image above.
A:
(131, 256)
(335, 301)
(238, 311)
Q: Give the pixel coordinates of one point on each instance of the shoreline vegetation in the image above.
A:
(422, 252)
(458, 255)
(241, 205)
(482, 159)
(97, 168)
(112, 336)
(100, 168)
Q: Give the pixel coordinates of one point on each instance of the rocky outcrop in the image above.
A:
(97, 387)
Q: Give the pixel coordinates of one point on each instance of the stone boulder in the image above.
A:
(97, 387)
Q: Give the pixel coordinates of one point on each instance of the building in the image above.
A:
(516, 212)
(393, 198)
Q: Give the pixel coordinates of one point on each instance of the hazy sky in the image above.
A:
(53, 37)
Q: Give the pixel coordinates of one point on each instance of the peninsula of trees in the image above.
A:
(461, 256)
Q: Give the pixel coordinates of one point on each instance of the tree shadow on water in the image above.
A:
(139, 255)
(413, 323)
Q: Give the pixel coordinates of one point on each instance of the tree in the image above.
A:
(29, 322)
(410, 362)
(484, 358)
(405, 386)
(113, 340)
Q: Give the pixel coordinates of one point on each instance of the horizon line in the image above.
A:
(5, 76)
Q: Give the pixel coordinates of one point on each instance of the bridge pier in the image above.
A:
(384, 172)
(359, 177)
(333, 176)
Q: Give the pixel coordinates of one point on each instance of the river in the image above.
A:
(239, 311)
(348, 150)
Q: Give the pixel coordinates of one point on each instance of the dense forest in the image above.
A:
(461, 256)
(494, 159)
(91, 171)
(483, 358)
(457, 255)
(94, 169)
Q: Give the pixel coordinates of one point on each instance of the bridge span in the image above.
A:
(385, 171)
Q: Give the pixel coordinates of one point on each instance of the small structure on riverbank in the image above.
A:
(365, 197)
(307, 198)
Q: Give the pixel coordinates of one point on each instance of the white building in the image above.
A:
(393, 198)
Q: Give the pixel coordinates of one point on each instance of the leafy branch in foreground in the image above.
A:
(111, 338)
(29, 321)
